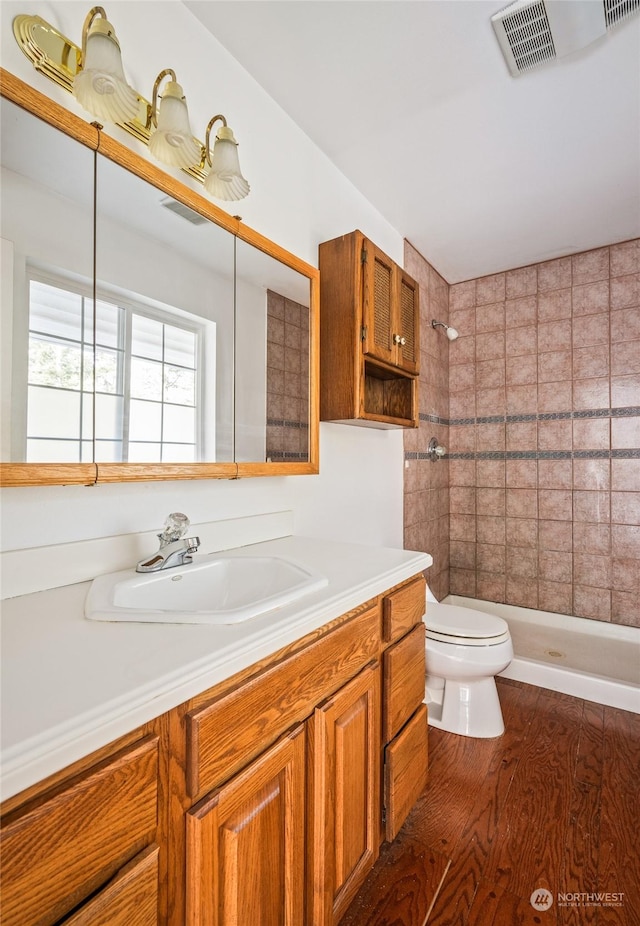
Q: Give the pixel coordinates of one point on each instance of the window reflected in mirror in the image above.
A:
(164, 327)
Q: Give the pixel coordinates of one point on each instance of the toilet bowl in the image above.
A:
(465, 651)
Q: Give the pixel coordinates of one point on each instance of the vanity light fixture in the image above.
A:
(100, 86)
(451, 333)
(172, 142)
(94, 74)
(224, 180)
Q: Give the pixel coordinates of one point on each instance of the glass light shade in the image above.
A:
(173, 142)
(100, 87)
(225, 181)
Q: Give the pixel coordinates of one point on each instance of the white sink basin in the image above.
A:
(219, 589)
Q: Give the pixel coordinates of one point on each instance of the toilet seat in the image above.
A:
(464, 626)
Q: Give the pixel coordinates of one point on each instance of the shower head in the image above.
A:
(451, 333)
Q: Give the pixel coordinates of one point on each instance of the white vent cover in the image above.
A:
(531, 32)
(184, 211)
(615, 11)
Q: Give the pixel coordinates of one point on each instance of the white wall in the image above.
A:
(298, 199)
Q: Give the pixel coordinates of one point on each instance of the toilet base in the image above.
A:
(468, 708)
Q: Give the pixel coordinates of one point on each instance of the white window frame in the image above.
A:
(203, 329)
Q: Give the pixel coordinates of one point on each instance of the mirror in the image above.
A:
(272, 359)
(183, 345)
(164, 326)
(46, 231)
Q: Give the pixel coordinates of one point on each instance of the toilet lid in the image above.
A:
(454, 624)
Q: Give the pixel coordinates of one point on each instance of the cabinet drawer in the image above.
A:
(402, 609)
(404, 679)
(62, 849)
(231, 731)
(130, 899)
(405, 771)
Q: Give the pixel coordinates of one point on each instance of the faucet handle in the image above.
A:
(175, 527)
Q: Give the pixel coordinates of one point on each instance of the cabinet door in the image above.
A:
(391, 311)
(245, 844)
(380, 296)
(344, 788)
(408, 324)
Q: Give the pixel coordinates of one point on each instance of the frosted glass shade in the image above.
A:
(173, 142)
(100, 87)
(225, 181)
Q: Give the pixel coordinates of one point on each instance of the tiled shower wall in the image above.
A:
(287, 379)
(426, 484)
(544, 414)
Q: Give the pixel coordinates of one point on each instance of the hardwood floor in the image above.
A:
(552, 804)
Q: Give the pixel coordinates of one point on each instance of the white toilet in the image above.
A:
(465, 651)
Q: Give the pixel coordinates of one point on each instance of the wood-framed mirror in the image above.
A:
(146, 334)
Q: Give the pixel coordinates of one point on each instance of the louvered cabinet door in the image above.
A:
(245, 844)
(380, 296)
(408, 324)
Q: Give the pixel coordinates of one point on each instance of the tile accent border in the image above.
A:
(625, 454)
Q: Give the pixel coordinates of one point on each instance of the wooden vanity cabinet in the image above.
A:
(369, 336)
(257, 801)
(86, 847)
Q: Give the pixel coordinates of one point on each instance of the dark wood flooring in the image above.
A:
(552, 804)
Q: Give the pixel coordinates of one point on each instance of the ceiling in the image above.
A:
(413, 102)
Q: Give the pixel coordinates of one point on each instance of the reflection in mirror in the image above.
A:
(47, 336)
(272, 359)
(164, 327)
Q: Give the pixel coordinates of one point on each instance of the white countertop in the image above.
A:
(70, 685)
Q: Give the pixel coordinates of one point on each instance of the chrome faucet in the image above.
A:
(175, 548)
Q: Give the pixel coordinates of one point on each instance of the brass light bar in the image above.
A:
(59, 59)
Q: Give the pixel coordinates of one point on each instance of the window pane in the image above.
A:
(144, 453)
(54, 364)
(52, 451)
(54, 311)
(108, 451)
(178, 453)
(145, 421)
(179, 424)
(179, 385)
(179, 346)
(53, 413)
(109, 416)
(146, 379)
(87, 369)
(87, 415)
(109, 324)
(86, 451)
(108, 371)
(146, 337)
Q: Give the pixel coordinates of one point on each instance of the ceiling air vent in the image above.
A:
(184, 211)
(615, 11)
(531, 32)
(524, 35)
